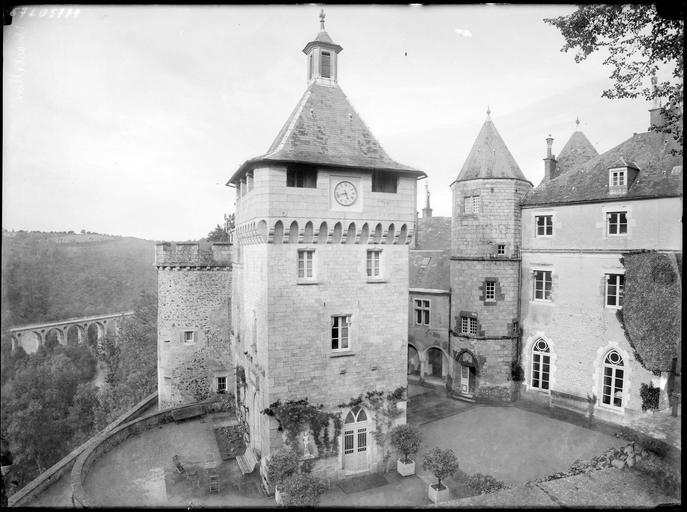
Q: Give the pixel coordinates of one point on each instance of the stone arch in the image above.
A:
(262, 228)
(278, 232)
(465, 372)
(436, 362)
(29, 341)
(336, 238)
(74, 334)
(466, 357)
(308, 234)
(378, 234)
(364, 233)
(389, 239)
(613, 379)
(414, 363)
(94, 334)
(527, 362)
(323, 233)
(402, 236)
(350, 234)
(53, 337)
(293, 233)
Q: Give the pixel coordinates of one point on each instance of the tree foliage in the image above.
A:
(302, 490)
(637, 41)
(406, 439)
(221, 233)
(442, 464)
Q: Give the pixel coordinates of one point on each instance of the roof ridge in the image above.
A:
(291, 122)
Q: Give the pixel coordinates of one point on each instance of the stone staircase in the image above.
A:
(247, 461)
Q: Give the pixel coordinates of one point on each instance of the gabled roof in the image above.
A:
(429, 269)
(325, 129)
(660, 174)
(577, 151)
(490, 158)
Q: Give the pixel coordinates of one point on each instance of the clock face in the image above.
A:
(345, 193)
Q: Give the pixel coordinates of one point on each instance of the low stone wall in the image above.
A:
(29, 492)
(110, 439)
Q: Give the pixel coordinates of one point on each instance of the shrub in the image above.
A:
(281, 465)
(442, 464)
(302, 491)
(484, 484)
(650, 396)
(406, 439)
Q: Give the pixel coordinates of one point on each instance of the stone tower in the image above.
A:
(485, 267)
(323, 223)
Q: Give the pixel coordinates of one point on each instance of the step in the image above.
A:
(247, 461)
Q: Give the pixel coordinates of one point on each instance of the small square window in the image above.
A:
(383, 181)
(616, 223)
(305, 264)
(501, 249)
(468, 325)
(617, 178)
(422, 311)
(615, 283)
(490, 291)
(301, 176)
(544, 225)
(221, 385)
(189, 337)
(340, 332)
(542, 285)
(373, 264)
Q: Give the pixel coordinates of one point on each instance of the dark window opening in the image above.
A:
(302, 177)
(384, 182)
(325, 65)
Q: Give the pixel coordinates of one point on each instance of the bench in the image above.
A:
(188, 412)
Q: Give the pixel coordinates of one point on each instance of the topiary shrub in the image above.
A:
(485, 484)
(407, 440)
(281, 465)
(442, 464)
(302, 491)
(650, 396)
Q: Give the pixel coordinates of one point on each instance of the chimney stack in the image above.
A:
(426, 211)
(549, 161)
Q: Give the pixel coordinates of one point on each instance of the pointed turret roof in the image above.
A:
(577, 151)
(325, 129)
(490, 157)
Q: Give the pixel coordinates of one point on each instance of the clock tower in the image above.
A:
(324, 220)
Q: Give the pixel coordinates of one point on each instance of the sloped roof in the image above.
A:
(325, 129)
(490, 157)
(577, 151)
(433, 233)
(660, 173)
(429, 269)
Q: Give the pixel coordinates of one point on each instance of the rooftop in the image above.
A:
(576, 152)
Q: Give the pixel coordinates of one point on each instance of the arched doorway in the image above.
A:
(413, 361)
(435, 363)
(466, 380)
(355, 440)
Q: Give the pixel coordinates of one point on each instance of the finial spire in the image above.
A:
(577, 123)
(322, 16)
(488, 111)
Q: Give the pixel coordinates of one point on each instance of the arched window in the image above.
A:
(355, 439)
(541, 364)
(614, 376)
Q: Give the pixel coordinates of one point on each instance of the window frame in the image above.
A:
(374, 257)
(301, 177)
(619, 176)
(619, 286)
(306, 256)
(184, 337)
(219, 389)
(618, 224)
(540, 358)
(500, 249)
(468, 324)
(544, 281)
(547, 226)
(382, 180)
(422, 311)
(325, 56)
(489, 295)
(614, 368)
(335, 323)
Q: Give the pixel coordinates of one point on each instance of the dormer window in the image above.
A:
(325, 64)
(620, 176)
(617, 177)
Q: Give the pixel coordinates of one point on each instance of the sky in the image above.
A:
(130, 120)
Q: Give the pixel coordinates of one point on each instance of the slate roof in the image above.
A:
(325, 129)
(433, 233)
(490, 158)
(660, 174)
(577, 151)
(429, 269)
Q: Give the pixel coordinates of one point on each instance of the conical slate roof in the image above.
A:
(490, 158)
(577, 151)
(325, 129)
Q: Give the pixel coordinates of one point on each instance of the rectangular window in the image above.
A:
(189, 337)
(617, 223)
(305, 268)
(221, 384)
(501, 249)
(468, 325)
(340, 328)
(325, 65)
(490, 291)
(544, 225)
(542, 285)
(373, 263)
(614, 290)
(384, 182)
(617, 178)
(301, 177)
(421, 312)
(472, 204)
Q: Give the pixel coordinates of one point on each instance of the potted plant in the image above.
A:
(302, 490)
(281, 465)
(442, 464)
(407, 440)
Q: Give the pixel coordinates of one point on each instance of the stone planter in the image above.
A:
(405, 469)
(277, 496)
(438, 495)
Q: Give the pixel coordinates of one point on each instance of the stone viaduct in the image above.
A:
(91, 329)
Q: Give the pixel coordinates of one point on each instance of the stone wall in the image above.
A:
(493, 358)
